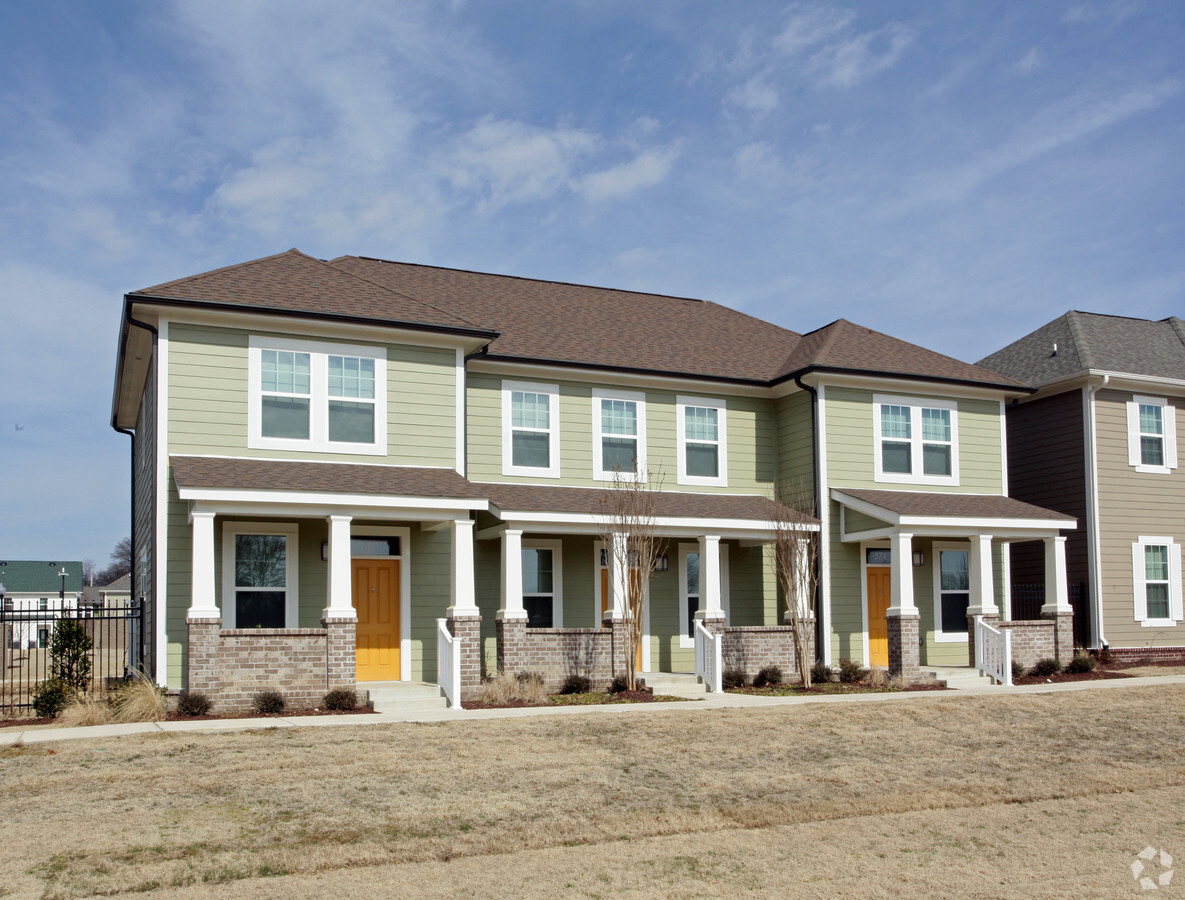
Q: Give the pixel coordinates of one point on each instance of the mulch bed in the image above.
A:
(831, 687)
(1061, 677)
(286, 714)
(10, 723)
(594, 698)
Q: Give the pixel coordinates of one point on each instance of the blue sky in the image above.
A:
(954, 174)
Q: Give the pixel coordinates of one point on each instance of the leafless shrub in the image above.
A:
(796, 559)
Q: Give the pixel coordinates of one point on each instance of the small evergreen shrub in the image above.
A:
(69, 653)
(618, 684)
(768, 675)
(575, 684)
(193, 703)
(851, 672)
(268, 703)
(1044, 667)
(1018, 669)
(340, 699)
(51, 696)
(1082, 662)
(821, 673)
(733, 678)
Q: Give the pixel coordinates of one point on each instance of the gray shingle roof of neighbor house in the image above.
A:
(510, 498)
(1088, 341)
(525, 319)
(279, 475)
(919, 503)
(29, 575)
(121, 584)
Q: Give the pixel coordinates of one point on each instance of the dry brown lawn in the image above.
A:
(1006, 796)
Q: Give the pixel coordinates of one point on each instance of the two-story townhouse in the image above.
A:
(35, 594)
(1098, 440)
(339, 465)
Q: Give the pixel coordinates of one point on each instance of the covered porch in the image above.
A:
(931, 563)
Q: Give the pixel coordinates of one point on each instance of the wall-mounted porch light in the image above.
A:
(919, 558)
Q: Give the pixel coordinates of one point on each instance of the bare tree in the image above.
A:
(120, 565)
(634, 546)
(796, 557)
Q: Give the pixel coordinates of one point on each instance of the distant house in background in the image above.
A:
(1098, 441)
(32, 586)
(116, 595)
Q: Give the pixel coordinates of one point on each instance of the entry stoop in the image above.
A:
(677, 684)
(960, 678)
(403, 696)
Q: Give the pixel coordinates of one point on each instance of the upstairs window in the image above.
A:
(703, 456)
(1151, 435)
(530, 429)
(1156, 575)
(311, 396)
(619, 434)
(916, 440)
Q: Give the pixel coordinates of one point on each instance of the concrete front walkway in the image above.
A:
(50, 734)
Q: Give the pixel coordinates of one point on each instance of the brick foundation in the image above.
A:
(1050, 637)
(467, 632)
(1148, 654)
(753, 647)
(599, 654)
(232, 665)
(904, 657)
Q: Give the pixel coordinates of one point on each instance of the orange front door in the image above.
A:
(605, 606)
(879, 591)
(376, 598)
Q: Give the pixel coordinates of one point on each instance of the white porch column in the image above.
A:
(341, 582)
(201, 604)
(1057, 593)
(464, 595)
(983, 597)
(512, 575)
(711, 605)
(901, 577)
(618, 575)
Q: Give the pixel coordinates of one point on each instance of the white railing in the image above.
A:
(708, 658)
(448, 664)
(993, 651)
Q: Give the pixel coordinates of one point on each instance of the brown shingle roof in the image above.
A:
(1092, 341)
(292, 281)
(976, 506)
(278, 475)
(591, 501)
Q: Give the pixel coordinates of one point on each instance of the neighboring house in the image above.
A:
(35, 594)
(114, 596)
(329, 457)
(1099, 441)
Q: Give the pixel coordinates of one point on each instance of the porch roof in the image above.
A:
(931, 510)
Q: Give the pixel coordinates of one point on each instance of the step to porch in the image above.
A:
(403, 696)
(677, 684)
(959, 678)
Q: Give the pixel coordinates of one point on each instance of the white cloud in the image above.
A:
(756, 95)
(809, 26)
(850, 62)
(645, 170)
(1030, 62)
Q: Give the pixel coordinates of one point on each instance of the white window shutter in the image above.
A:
(1175, 582)
(1133, 433)
(1138, 573)
(1170, 435)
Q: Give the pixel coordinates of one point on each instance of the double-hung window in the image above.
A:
(1151, 434)
(259, 575)
(619, 435)
(703, 449)
(312, 396)
(1156, 574)
(530, 429)
(952, 591)
(917, 440)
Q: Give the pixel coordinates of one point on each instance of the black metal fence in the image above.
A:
(116, 646)
(1027, 600)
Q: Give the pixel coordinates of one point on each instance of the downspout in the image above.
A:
(132, 490)
(1092, 511)
(820, 637)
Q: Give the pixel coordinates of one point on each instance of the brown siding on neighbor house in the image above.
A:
(1047, 467)
(1132, 504)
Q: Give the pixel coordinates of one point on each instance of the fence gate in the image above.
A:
(116, 633)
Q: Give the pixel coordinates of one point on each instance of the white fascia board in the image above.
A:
(220, 496)
(1125, 381)
(278, 323)
(863, 506)
(543, 371)
(681, 524)
(915, 386)
(875, 534)
(942, 524)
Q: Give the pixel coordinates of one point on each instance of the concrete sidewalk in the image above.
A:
(50, 734)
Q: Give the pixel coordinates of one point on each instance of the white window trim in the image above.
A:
(686, 642)
(721, 407)
(637, 398)
(1168, 418)
(940, 636)
(557, 576)
(553, 443)
(318, 439)
(1139, 575)
(915, 405)
(291, 531)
